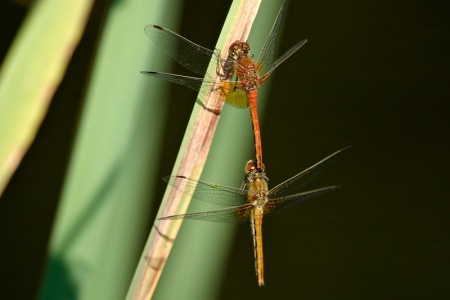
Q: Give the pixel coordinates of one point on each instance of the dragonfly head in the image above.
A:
(251, 170)
(238, 49)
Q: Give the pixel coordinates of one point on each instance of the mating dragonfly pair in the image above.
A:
(254, 199)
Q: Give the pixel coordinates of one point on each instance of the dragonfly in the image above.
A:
(252, 201)
(245, 75)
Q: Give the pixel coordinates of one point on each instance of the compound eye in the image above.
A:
(263, 166)
(245, 47)
(250, 167)
(233, 49)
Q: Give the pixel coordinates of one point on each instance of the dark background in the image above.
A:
(373, 75)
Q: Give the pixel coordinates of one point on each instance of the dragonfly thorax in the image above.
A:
(257, 184)
(258, 191)
(249, 77)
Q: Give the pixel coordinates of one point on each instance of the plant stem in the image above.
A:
(191, 159)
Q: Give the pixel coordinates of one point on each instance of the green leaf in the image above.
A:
(31, 73)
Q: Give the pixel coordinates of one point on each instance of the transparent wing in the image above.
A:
(278, 204)
(266, 56)
(195, 58)
(191, 82)
(208, 192)
(236, 214)
(190, 55)
(295, 183)
(235, 95)
(282, 58)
